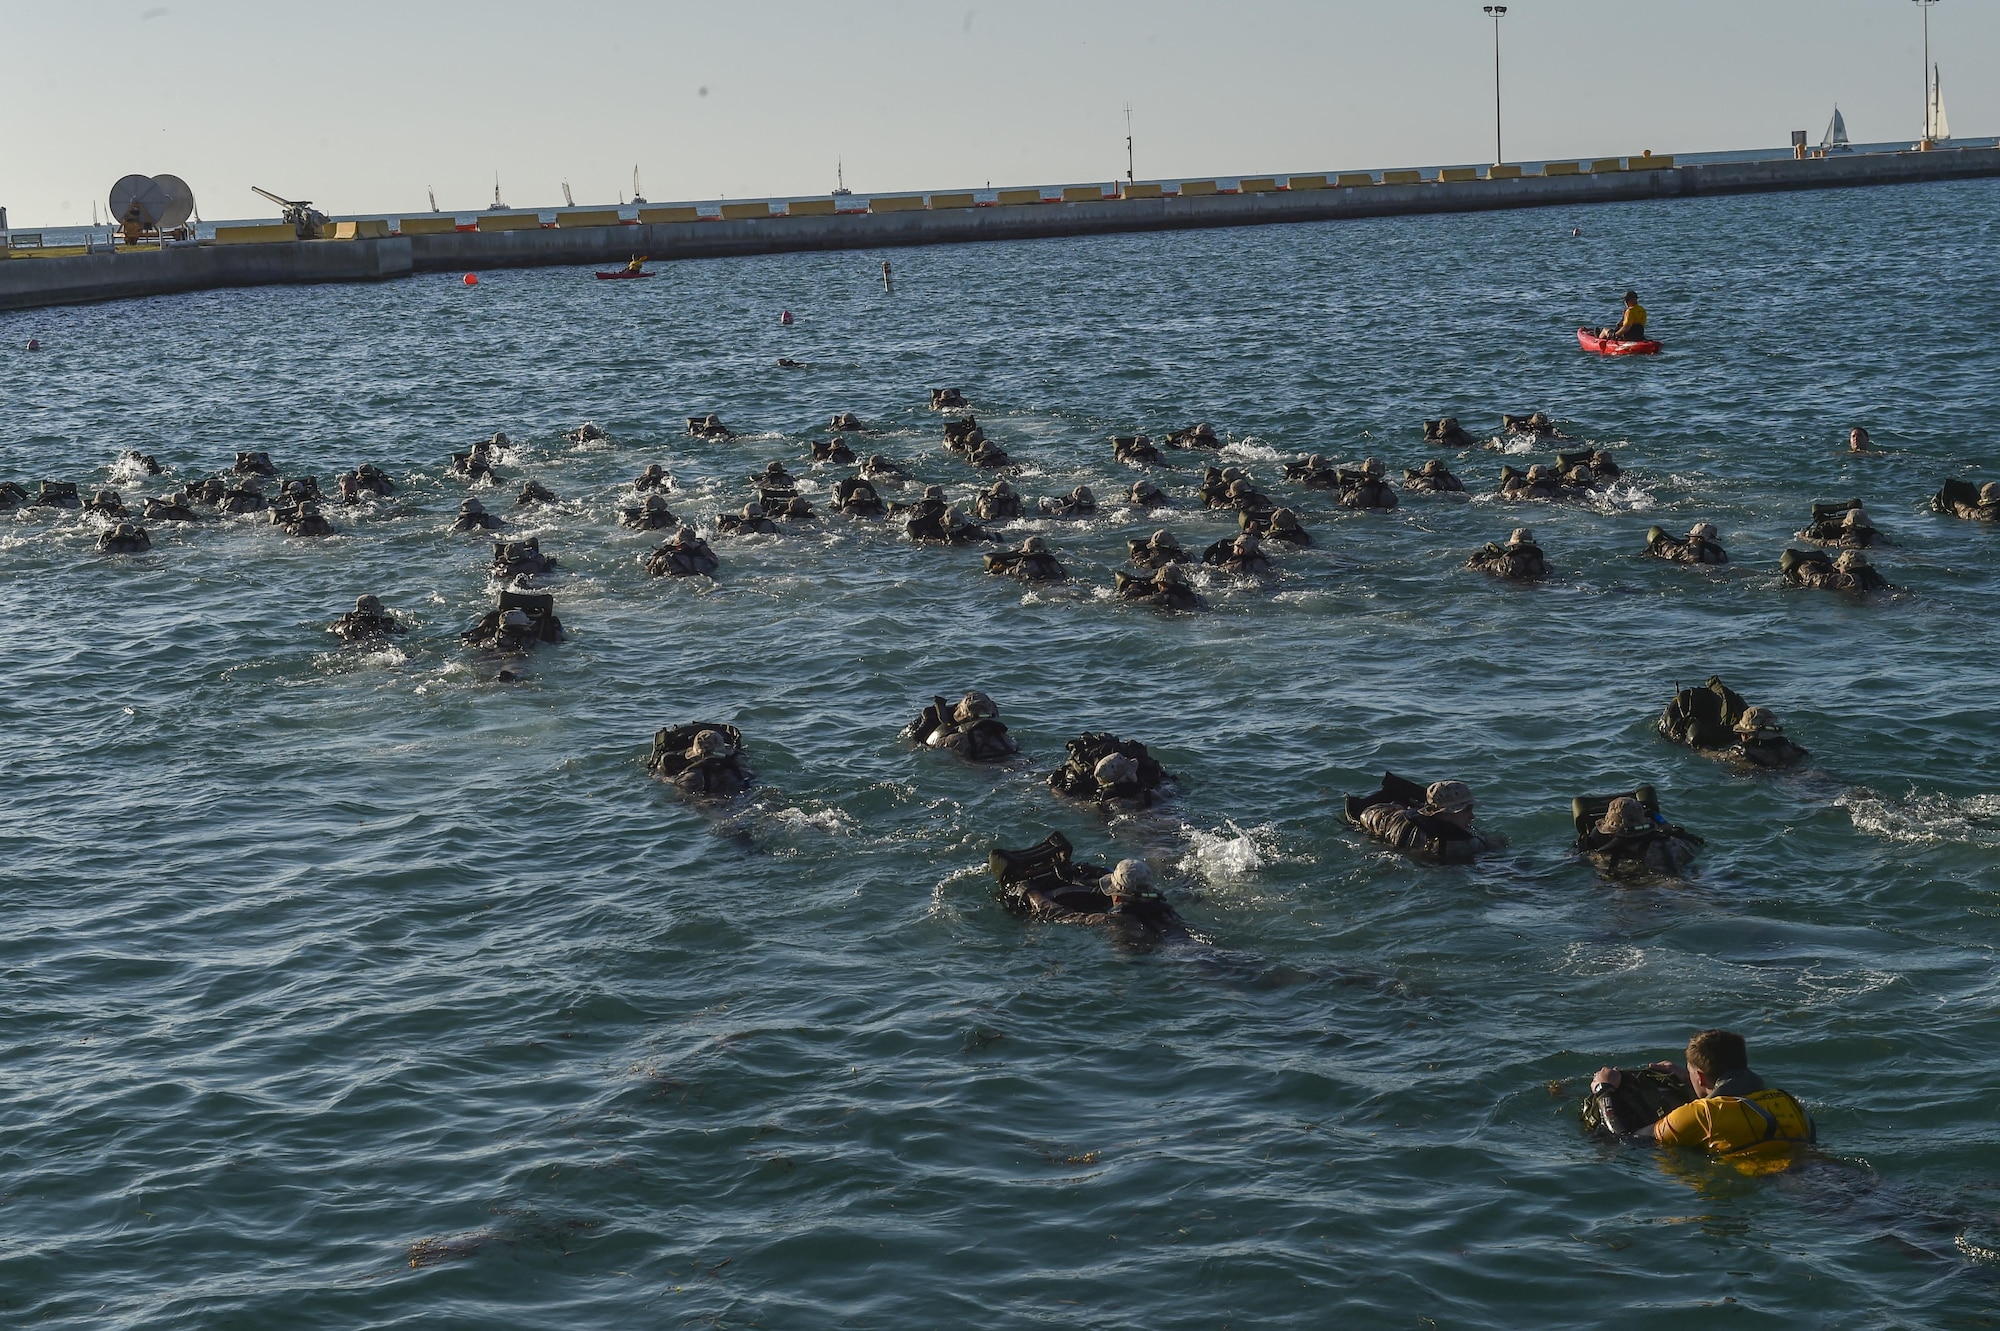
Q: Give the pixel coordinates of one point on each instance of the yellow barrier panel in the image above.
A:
(510, 222)
(1354, 179)
(1194, 188)
(1402, 177)
(902, 203)
(1084, 194)
(255, 235)
(1142, 192)
(592, 217)
(657, 216)
(1562, 169)
(1505, 171)
(1262, 185)
(811, 208)
(1010, 197)
(367, 229)
(1307, 182)
(428, 226)
(945, 201)
(1606, 164)
(1651, 163)
(1457, 173)
(743, 212)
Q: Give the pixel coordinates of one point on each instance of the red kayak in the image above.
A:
(620, 275)
(1603, 346)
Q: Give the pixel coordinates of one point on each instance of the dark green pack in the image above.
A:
(1704, 718)
(1644, 1096)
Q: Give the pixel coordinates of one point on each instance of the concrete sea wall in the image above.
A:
(942, 219)
(82, 278)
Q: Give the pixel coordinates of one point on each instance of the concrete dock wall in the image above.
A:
(956, 225)
(79, 279)
(675, 233)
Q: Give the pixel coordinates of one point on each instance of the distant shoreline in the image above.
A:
(264, 256)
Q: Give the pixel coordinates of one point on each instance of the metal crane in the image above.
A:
(304, 218)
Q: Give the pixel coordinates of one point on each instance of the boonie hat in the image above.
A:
(1757, 720)
(1448, 797)
(975, 706)
(1131, 878)
(1114, 768)
(1625, 816)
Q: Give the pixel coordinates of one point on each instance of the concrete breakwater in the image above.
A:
(939, 219)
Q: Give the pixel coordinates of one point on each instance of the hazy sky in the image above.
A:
(361, 105)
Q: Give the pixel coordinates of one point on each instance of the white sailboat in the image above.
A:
(637, 197)
(1940, 127)
(498, 205)
(1836, 135)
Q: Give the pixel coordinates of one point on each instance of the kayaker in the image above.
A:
(637, 264)
(1633, 327)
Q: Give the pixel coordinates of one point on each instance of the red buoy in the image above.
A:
(472, 279)
(786, 318)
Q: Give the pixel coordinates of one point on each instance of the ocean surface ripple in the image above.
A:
(362, 989)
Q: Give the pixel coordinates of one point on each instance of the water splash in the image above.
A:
(1924, 819)
(1220, 856)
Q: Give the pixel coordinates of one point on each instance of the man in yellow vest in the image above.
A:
(1734, 1114)
(1633, 327)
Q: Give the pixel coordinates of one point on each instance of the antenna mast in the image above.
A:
(1128, 143)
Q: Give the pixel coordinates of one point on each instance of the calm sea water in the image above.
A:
(350, 989)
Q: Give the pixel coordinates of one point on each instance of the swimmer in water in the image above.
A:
(1733, 1113)
(1859, 442)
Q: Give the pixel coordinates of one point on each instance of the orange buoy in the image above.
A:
(472, 279)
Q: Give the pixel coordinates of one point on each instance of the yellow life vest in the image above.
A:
(1759, 1133)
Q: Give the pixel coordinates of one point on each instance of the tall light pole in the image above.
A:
(1496, 13)
(1925, 5)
